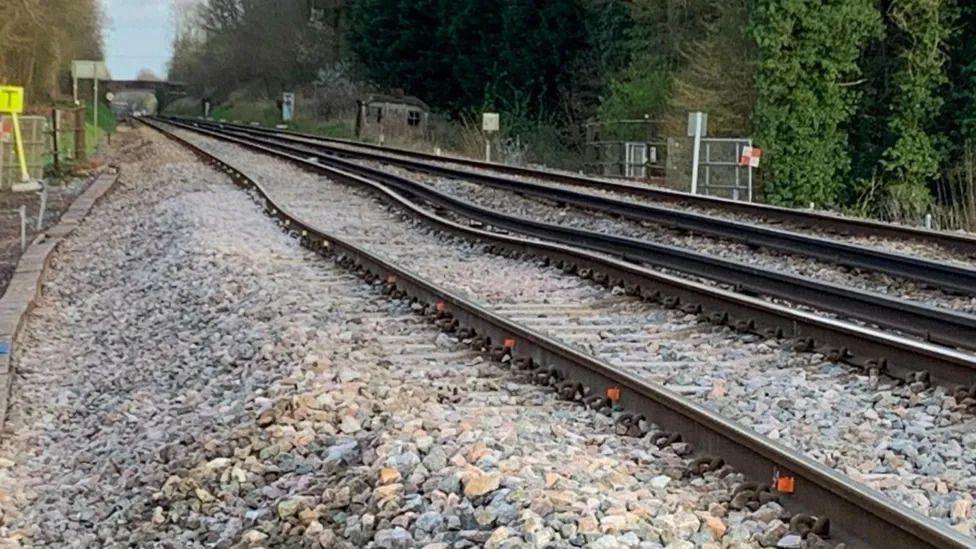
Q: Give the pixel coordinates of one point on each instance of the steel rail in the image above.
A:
(958, 242)
(860, 516)
(937, 325)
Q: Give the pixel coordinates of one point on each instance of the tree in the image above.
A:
(222, 46)
(667, 38)
(469, 54)
(808, 53)
(147, 75)
(40, 38)
(717, 74)
(921, 29)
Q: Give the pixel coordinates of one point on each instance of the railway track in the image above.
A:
(803, 220)
(919, 318)
(569, 359)
(895, 355)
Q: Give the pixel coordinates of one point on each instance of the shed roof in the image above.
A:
(403, 99)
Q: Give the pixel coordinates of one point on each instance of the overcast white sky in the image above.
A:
(138, 34)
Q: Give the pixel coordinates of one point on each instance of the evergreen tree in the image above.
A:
(808, 52)
(469, 54)
(920, 30)
(959, 116)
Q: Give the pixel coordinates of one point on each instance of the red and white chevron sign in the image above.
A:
(750, 157)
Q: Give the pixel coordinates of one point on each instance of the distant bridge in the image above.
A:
(165, 91)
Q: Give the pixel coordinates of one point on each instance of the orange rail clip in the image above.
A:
(509, 343)
(439, 306)
(613, 393)
(391, 279)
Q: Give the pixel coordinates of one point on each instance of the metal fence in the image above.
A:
(719, 172)
(51, 137)
(632, 159)
(624, 148)
(32, 130)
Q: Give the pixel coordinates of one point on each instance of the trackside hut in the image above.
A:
(392, 115)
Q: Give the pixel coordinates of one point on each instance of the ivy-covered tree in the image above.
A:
(808, 52)
(921, 29)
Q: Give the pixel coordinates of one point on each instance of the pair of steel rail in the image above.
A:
(860, 516)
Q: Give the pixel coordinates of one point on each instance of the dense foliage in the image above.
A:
(513, 55)
(39, 38)
(224, 45)
(807, 52)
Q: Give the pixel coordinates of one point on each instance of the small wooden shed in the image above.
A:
(395, 114)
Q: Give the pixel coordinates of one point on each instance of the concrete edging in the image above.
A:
(25, 285)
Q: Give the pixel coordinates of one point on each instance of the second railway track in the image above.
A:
(607, 324)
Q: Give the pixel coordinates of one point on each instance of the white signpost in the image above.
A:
(697, 128)
(95, 71)
(490, 123)
(287, 106)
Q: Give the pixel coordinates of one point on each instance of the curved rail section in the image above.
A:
(860, 516)
(943, 275)
(817, 220)
(945, 327)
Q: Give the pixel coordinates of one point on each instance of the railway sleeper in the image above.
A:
(747, 495)
(631, 425)
(663, 439)
(704, 464)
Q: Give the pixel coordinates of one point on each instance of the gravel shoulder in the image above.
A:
(59, 198)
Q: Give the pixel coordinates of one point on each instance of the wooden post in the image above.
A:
(80, 134)
(56, 138)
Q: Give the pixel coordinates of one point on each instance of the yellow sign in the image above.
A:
(11, 99)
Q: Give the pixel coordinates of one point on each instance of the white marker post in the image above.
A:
(697, 126)
(489, 124)
(287, 106)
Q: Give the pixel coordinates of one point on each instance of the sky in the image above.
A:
(138, 34)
